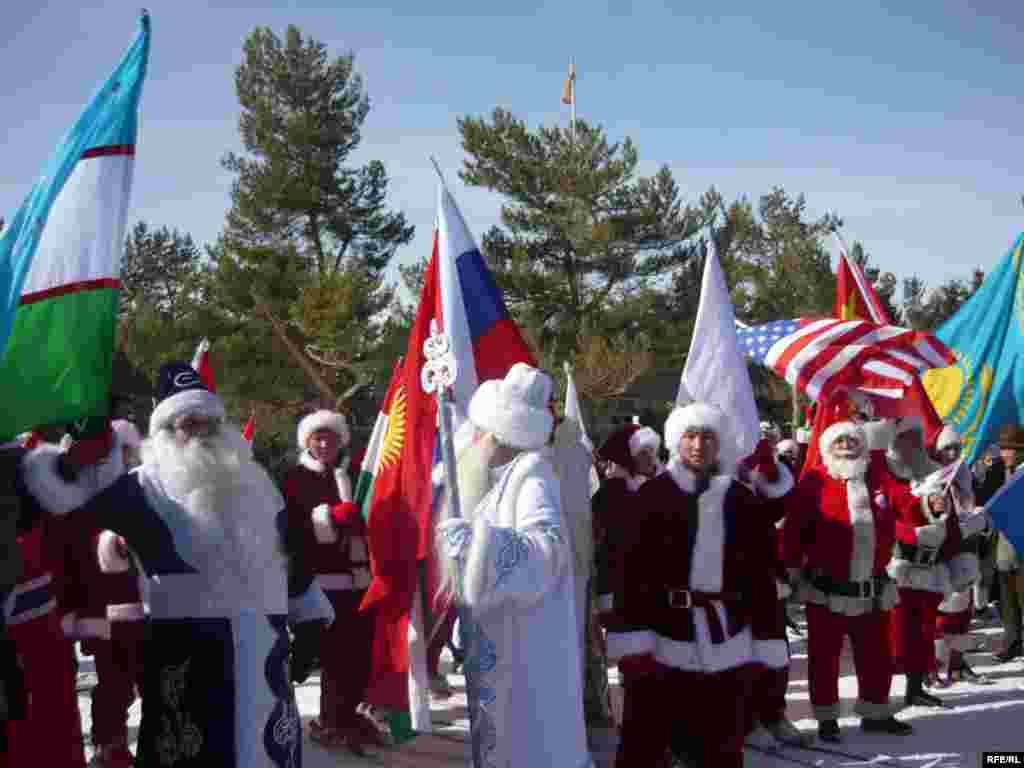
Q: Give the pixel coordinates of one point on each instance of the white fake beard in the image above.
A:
(228, 499)
(473, 470)
(844, 468)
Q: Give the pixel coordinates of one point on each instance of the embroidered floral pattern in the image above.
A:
(455, 539)
(481, 660)
(180, 738)
(281, 735)
(514, 547)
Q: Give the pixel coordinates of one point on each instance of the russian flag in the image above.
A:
(471, 311)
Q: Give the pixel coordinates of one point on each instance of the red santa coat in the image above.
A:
(340, 562)
(51, 734)
(613, 509)
(822, 537)
(708, 551)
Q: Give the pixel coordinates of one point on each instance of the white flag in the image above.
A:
(716, 370)
(573, 412)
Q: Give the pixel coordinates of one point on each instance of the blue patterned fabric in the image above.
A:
(282, 737)
(481, 659)
(514, 547)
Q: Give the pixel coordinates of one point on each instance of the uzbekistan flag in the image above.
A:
(461, 297)
(60, 263)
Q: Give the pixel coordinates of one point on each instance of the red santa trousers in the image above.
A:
(705, 713)
(118, 672)
(913, 631)
(346, 656)
(51, 734)
(869, 636)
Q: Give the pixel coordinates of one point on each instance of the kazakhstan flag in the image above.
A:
(985, 389)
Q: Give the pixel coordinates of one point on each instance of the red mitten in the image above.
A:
(344, 513)
(637, 667)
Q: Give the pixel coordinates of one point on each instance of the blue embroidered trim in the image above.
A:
(514, 546)
(281, 735)
(481, 660)
(455, 540)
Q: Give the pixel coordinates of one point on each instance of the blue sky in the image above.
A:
(906, 122)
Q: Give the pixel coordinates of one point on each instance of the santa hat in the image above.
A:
(127, 433)
(627, 442)
(703, 417)
(515, 409)
(323, 419)
(947, 438)
(841, 429)
(181, 391)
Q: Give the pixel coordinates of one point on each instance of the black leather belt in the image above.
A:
(686, 599)
(862, 589)
(917, 554)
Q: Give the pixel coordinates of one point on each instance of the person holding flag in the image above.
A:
(509, 562)
(322, 515)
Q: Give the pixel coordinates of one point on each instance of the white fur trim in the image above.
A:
(341, 478)
(947, 437)
(644, 438)
(702, 655)
(782, 485)
(126, 612)
(841, 429)
(709, 547)
(311, 605)
(964, 570)
(511, 409)
(782, 589)
(621, 644)
(111, 561)
(858, 501)
(787, 446)
(925, 578)
(197, 401)
(67, 624)
(322, 419)
(803, 436)
(54, 494)
(323, 526)
(90, 628)
(772, 653)
(697, 416)
(127, 432)
(931, 535)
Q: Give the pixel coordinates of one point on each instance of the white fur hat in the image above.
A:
(644, 438)
(841, 429)
(127, 433)
(323, 419)
(515, 409)
(701, 416)
(947, 437)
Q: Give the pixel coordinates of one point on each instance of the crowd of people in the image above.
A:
(177, 564)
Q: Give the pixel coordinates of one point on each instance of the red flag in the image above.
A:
(201, 364)
(856, 298)
(250, 427)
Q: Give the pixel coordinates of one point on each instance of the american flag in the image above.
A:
(816, 355)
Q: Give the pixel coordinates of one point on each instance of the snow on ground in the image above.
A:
(981, 718)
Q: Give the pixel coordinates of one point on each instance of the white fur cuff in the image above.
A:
(782, 590)
(54, 494)
(782, 485)
(621, 644)
(931, 535)
(111, 560)
(67, 624)
(772, 653)
(323, 526)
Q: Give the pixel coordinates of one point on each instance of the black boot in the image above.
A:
(916, 694)
(1011, 653)
(885, 725)
(968, 674)
(828, 730)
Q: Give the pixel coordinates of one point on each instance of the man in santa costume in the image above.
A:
(955, 612)
(322, 515)
(921, 578)
(838, 537)
(110, 622)
(48, 608)
(209, 530)
(696, 600)
(509, 564)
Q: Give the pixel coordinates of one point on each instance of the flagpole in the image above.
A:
(572, 119)
(437, 170)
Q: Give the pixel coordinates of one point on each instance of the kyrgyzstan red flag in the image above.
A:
(201, 364)
(461, 298)
(250, 427)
